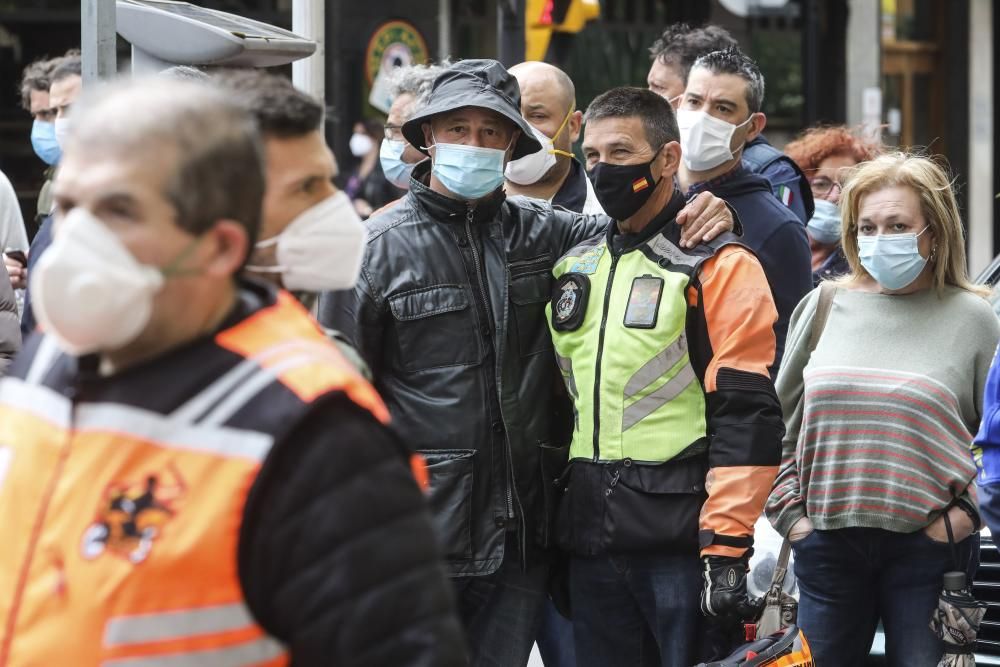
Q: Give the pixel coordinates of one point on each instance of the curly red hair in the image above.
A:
(816, 144)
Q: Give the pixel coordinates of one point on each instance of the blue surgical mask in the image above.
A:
(893, 260)
(470, 172)
(43, 140)
(824, 225)
(396, 171)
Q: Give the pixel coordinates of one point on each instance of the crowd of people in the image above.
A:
(487, 395)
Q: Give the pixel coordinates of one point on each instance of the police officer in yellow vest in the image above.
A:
(678, 429)
(183, 453)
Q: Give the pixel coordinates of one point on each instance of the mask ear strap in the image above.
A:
(174, 267)
(556, 151)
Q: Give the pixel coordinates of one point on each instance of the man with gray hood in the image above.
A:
(449, 312)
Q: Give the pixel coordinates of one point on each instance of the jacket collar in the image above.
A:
(626, 242)
(446, 209)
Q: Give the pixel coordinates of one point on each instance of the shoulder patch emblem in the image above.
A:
(569, 301)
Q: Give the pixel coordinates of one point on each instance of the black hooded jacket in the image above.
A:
(775, 235)
(449, 312)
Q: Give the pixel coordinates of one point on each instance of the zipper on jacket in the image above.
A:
(509, 472)
(600, 355)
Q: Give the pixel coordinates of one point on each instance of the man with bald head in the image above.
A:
(183, 451)
(548, 103)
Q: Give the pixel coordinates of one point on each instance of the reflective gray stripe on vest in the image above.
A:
(45, 357)
(656, 367)
(238, 655)
(177, 624)
(166, 432)
(35, 399)
(566, 366)
(203, 401)
(664, 248)
(645, 406)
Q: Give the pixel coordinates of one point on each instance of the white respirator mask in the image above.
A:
(321, 249)
(531, 168)
(705, 140)
(89, 292)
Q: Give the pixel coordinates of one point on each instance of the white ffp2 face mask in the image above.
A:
(705, 140)
(531, 168)
(89, 292)
(321, 249)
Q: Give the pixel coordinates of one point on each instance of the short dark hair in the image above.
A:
(734, 61)
(282, 111)
(36, 76)
(680, 45)
(67, 66)
(656, 114)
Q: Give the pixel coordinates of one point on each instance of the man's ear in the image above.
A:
(575, 126)
(671, 159)
(229, 246)
(428, 135)
(757, 124)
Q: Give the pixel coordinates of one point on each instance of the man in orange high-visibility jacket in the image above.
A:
(190, 473)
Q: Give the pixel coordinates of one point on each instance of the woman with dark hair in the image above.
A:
(367, 186)
(827, 155)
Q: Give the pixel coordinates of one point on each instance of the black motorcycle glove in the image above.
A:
(724, 592)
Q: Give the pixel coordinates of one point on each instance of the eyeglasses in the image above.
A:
(822, 186)
(394, 132)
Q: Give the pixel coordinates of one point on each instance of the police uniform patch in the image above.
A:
(569, 301)
(643, 302)
(588, 261)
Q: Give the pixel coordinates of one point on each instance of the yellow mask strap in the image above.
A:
(556, 151)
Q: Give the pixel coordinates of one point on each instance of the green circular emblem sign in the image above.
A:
(394, 44)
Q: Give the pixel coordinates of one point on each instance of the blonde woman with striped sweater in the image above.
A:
(880, 418)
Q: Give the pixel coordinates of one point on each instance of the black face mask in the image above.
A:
(622, 189)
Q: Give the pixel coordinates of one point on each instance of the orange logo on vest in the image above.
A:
(132, 515)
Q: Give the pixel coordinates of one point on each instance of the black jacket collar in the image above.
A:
(573, 193)
(621, 243)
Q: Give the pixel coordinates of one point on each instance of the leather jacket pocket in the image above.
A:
(450, 498)
(530, 290)
(552, 461)
(435, 327)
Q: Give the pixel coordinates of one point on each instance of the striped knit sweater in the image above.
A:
(881, 417)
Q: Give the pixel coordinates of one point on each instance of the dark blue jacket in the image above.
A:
(788, 183)
(986, 451)
(776, 235)
(42, 240)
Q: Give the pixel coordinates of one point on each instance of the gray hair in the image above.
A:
(734, 61)
(218, 163)
(416, 80)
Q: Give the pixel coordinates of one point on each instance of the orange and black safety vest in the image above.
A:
(121, 502)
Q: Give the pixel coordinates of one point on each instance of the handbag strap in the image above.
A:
(827, 291)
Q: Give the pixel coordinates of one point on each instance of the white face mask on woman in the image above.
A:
(321, 249)
(705, 140)
(360, 144)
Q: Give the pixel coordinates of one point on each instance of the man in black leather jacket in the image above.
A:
(449, 314)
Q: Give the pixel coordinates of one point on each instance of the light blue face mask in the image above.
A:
(396, 171)
(893, 260)
(824, 225)
(43, 140)
(470, 172)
